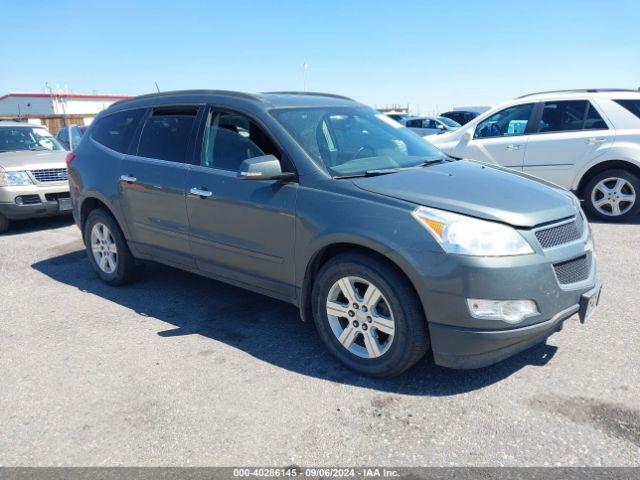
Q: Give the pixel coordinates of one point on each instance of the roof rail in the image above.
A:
(581, 90)
(192, 92)
(316, 94)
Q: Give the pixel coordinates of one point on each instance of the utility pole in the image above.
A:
(304, 66)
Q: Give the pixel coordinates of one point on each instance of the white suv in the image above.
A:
(587, 141)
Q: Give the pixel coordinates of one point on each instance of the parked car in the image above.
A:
(388, 245)
(33, 174)
(587, 141)
(460, 116)
(397, 116)
(70, 136)
(430, 125)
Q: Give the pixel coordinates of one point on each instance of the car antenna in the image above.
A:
(157, 87)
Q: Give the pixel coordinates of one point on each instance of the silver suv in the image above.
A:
(33, 174)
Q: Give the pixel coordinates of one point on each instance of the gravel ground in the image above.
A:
(180, 370)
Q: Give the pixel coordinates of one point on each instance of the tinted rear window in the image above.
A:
(166, 134)
(115, 131)
(632, 105)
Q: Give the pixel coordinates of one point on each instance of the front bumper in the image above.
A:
(445, 282)
(466, 348)
(42, 201)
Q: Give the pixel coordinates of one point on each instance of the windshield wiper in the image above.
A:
(371, 173)
(431, 162)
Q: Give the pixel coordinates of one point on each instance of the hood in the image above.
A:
(28, 160)
(478, 190)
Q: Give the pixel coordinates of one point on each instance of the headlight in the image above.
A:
(14, 179)
(469, 236)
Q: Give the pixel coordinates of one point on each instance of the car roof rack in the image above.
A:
(315, 94)
(192, 92)
(580, 90)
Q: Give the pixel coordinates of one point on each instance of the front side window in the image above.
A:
(166, 134)
(232, 138)
(632, 105)
(354, 140)
(506, 123)
(116, 131)
(15, 139)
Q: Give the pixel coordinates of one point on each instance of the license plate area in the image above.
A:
(589, 302)
(64, 204)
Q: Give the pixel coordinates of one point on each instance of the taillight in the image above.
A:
(70, 157)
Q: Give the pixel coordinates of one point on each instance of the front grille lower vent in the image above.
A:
(573, 271)
(561, 234)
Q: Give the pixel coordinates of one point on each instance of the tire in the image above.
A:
(4, 223)
(121, 268)
(393, 354)
(605, 186)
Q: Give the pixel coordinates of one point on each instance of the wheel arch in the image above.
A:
(93, 202)
(330, 250)
(629, 165)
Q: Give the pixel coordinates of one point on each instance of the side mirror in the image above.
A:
(266, 167)
(440, 126)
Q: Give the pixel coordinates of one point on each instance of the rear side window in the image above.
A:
(166, 134)
(115, 131)
(632, 105)
(570, 115)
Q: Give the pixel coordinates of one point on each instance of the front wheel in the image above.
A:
(612, 196)
(369, 316)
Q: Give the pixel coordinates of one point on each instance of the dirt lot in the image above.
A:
(180, 370)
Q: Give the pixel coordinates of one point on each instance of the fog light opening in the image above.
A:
(19, 201)
(510, 311)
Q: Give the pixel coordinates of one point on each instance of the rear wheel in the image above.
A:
(612, 195)
(107, 249)
(4, 223)
(369, 316)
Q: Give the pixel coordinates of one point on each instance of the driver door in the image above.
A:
(501, 138)
(241, 230)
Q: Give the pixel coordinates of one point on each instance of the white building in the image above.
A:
(55, 110)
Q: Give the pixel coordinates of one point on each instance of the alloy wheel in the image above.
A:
(103, 247)
(360, 317)
(613, 196)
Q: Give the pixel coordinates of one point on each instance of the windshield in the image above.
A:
(355, 140)
(449, 123)
(14, 139)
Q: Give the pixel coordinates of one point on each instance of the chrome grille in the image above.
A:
(573, 271)
(50, 175)
(561, 234)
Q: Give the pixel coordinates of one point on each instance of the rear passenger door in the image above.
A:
(241, 230)
(153, 184)
(568, 134)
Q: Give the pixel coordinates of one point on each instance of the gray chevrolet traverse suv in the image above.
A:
(388, 245)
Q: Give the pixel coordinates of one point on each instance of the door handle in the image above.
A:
(128, 178)
(511, 147)
(202, 193)
(596, 140)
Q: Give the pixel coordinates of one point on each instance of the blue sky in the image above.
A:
(432, 55)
